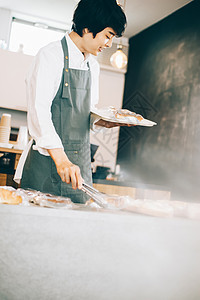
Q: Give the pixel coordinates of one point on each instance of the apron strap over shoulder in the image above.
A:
(66, 88)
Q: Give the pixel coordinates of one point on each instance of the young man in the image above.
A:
(61, 87)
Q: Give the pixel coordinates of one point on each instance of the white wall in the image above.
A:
(14, 67)
(5, 24)
(111, 94)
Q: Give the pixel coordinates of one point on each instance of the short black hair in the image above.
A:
(96, 15)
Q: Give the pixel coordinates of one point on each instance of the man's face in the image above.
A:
(102, 40)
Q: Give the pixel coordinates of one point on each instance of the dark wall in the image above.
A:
(163, 84)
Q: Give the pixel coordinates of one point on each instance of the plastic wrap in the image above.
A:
(112, 201)
(9, 195)
(156, 208)
(47, 200)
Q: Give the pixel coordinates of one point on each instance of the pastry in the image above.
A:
(125, 113)
(9, 197)
(48, 200)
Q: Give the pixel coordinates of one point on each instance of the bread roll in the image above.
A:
(9, 197)
(125, 113)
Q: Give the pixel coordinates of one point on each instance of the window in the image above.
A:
(29, 37)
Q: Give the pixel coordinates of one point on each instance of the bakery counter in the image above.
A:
(84, 254)
(136, 190)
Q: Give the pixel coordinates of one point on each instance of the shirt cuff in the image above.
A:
(47, 142)
(94, 119)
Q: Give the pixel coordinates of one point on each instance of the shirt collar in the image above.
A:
(75, 50)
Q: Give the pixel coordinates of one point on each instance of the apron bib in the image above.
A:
(71, 118)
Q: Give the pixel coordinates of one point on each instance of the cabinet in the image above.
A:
(14, 67)
(8, 163)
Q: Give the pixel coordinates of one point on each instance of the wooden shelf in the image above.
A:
(8, 150)
(7, 178)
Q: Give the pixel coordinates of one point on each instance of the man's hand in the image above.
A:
(109, 124)
(70, 173)
(67, 171)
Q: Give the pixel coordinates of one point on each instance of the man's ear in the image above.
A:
(85, 30)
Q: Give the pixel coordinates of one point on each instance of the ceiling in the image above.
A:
(140, 13)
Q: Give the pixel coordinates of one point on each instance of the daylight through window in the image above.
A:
(29, 37)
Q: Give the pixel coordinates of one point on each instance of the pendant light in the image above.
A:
(119, 59)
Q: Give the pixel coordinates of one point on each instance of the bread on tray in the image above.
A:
(121, 115)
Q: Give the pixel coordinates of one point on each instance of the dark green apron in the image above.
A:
(71, 118)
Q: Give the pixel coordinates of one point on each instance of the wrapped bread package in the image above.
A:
(9, 195)
(52, 201)
(156, 208)
(150, 207)
(123, 116)
(47, 200)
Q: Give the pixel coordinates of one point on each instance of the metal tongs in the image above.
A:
(97, 196)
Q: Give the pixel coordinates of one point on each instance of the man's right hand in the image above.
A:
(68, 172)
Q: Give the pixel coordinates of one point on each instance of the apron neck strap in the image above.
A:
(66, 52)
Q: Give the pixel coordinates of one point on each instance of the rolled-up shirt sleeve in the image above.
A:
(41, 88)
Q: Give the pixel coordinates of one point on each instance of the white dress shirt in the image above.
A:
(42, 84)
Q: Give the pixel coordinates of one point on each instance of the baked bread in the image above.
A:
(9, 197)
(125, 113)
(48, 200)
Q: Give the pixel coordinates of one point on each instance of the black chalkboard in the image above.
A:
(164, 67)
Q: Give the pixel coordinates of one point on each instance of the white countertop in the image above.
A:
(78, 254)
